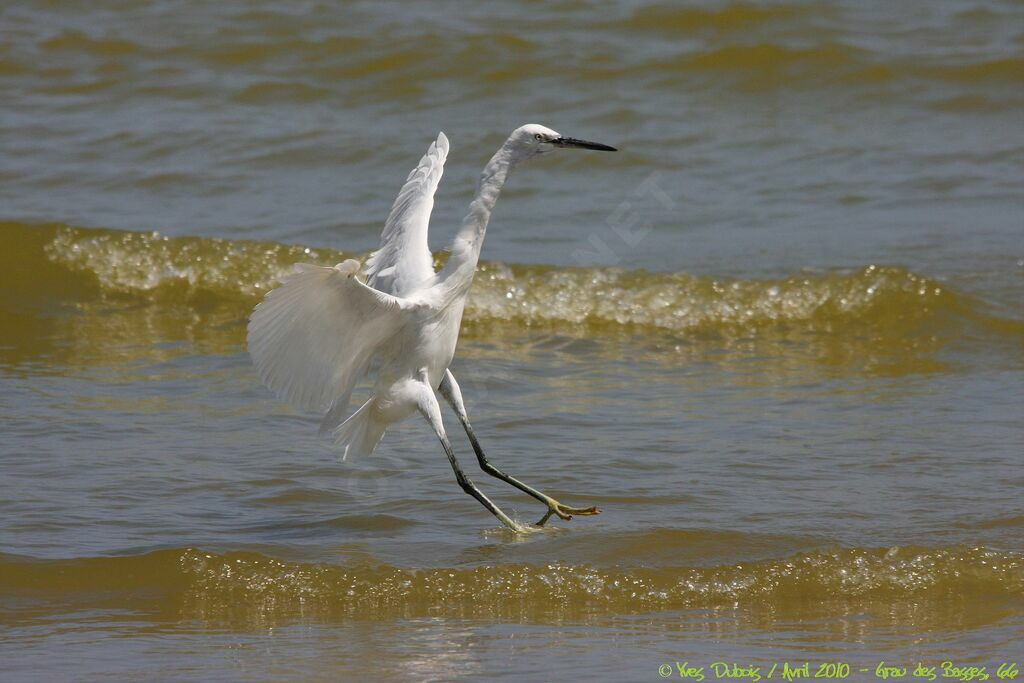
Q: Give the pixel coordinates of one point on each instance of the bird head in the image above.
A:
(534, 140)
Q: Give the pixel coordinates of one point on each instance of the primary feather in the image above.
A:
(403, 261)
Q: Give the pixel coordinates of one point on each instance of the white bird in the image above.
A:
(313, 337)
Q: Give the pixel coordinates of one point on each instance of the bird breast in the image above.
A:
(423, 349)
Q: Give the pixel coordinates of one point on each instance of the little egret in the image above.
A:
(315, 335)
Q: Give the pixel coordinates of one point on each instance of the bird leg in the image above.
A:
(469, 487)
(427, 404)
(450, 390)
(554, 507)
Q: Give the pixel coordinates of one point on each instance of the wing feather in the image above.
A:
(312, 338)
(403, 260)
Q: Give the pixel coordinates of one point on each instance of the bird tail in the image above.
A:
(360, 433)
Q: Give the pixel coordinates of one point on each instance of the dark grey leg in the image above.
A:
(432, 412)
(450, 390)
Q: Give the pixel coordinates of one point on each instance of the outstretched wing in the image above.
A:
(403, 260)
(312, 338)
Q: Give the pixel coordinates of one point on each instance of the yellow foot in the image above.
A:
(565, 512)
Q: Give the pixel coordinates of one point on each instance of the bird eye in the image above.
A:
(539, 136)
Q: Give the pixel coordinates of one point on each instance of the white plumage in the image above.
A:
(403, 261)
(314, 337)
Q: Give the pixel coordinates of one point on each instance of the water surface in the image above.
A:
(777, 338)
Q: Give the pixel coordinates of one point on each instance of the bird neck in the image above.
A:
(470, 238)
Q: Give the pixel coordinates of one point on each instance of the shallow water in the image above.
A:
(777, 338)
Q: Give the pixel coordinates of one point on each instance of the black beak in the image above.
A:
(582, 144)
